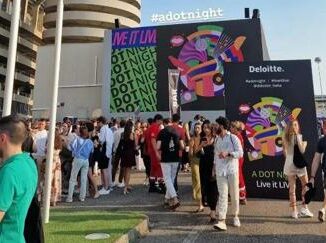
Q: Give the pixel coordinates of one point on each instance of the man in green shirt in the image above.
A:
(18, 180)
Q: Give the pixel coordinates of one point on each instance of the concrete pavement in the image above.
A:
(263, 220)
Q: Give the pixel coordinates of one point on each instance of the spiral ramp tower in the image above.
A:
(29, 39)
(86, 20)
(81, 81)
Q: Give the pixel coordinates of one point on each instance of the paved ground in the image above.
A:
(262, 220)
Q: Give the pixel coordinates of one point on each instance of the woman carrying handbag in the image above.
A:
(295, 166)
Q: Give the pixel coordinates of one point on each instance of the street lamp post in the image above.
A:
(49, 157)
(11, 62)
(318, 61)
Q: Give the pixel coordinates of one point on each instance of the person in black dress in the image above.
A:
(93, 158)
(144, 152)
(127, 152)
(207, 180)
(33, 231)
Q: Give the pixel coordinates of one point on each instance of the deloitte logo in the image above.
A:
(266, 69)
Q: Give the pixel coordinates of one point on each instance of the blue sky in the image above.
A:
(294, 29)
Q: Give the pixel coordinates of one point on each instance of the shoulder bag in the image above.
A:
(298, 159)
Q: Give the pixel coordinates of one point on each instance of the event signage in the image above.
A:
(133, 71)
(182, 16)
(185, 62)
(266, 96)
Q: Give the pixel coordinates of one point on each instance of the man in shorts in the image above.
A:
(320, 156)
(105, 163)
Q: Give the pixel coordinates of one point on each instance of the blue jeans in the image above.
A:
(78, 165)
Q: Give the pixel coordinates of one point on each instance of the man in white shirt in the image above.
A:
(105, 163)
(40, 139)
(114, 126)
(116, 159)
(73, 134)
(227, 152)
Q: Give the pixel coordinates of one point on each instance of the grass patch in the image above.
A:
(72, 226)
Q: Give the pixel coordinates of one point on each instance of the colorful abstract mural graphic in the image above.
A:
(265, 125)
(200, 60)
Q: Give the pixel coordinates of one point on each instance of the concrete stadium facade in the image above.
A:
(30, 38)
(81, 69)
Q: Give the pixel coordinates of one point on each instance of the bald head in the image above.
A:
(14, 127)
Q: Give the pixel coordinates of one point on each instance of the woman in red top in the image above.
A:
(236, 129)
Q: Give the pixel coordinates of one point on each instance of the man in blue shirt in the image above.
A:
(18, 180)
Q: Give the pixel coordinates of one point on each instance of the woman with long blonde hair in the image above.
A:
(292, 136)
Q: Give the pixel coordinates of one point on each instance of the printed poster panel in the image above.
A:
(133, 70)
(266, 96)
(198, 52)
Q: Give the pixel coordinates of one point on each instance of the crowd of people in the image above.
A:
(214, 152)
(91, 158)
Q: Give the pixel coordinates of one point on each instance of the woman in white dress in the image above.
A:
(291, 137)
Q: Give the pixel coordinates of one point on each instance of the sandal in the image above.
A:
(175, 206)
(212, 219)
(199, 210)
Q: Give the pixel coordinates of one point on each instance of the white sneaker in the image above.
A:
(220, 226)
(82, 199)
(321, 215)
(68, 200)
(236, 222)
(104, 192)
(305, 213)
(294, 215)
(146, 182)
(121, 185)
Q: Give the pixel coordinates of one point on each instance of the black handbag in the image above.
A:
(310, 193)
(298, 159)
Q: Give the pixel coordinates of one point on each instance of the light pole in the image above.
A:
(318, 61)
(49, 156)
(11, 62)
